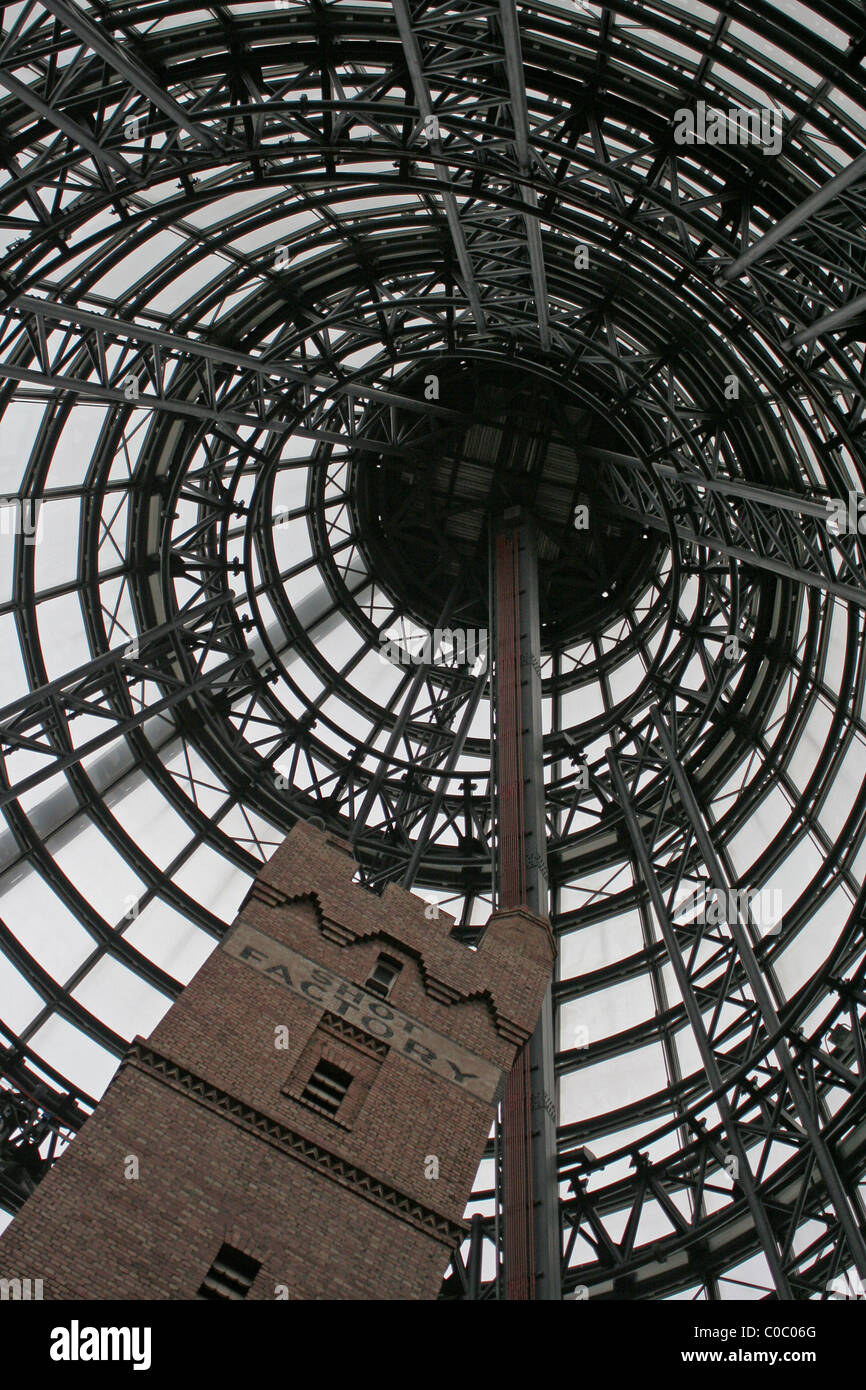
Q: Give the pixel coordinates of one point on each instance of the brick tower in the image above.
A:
(307, 1120)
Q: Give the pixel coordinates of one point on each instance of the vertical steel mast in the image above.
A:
(532, 1240)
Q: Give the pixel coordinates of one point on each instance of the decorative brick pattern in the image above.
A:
(343, 1050)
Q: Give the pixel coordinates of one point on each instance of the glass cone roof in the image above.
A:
(231, 253)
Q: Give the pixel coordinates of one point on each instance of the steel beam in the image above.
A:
(108, 326)
(724, 487)
(38, 314)
(89, 336)
(851, 593)
(520, 116)
(750, 523)
(414, 62)
(70, 128)
(127, 67)
(830, 323)
(440, 740)
(744, 1179)
(797, 217)
(533, 1242)
(39, 722)
(835, 1188)
(205, 414)
(458, 743)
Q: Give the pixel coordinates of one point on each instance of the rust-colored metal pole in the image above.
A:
(531, 1212)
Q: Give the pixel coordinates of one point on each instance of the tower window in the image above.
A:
(381, 978)
(230, 1276)
(327, 1087)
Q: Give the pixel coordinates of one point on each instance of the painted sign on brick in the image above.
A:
(411, 1039)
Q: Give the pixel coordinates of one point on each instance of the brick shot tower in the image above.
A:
(307, 1119)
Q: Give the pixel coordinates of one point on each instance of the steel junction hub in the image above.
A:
(424, 519)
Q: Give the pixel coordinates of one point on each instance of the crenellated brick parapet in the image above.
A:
(313, 1107)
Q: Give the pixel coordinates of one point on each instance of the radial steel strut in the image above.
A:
(804, 1108)
(708, 1056)
(532, 1232)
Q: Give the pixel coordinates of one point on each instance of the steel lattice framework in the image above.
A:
(293, 294)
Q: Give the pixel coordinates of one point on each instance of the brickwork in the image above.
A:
(333, 1194)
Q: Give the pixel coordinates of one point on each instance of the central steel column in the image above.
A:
(531, 1201)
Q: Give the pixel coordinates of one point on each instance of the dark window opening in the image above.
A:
(327, 1086)
(381, 978)
(230, 1276)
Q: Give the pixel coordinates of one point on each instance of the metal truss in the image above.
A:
(468, 49)
(234, 249)
(792, 266)
(782, 533)
(765, 1094)
(36, 1122)
(778, 532)
(101, 358)
(117, 692)
(428, 736)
